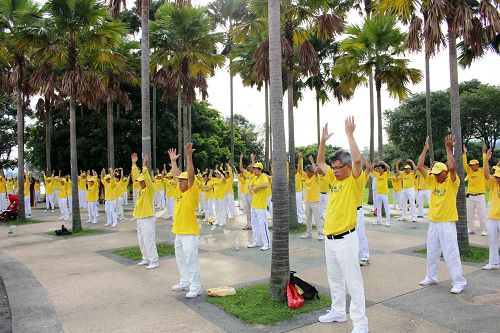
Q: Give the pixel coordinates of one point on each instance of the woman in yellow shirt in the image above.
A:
(63, 199)
(92, 194)
(381, 176)
(312, 198)
(109, 184)
(229, 197)
(258, 189)
(219, 182)
(493, 183)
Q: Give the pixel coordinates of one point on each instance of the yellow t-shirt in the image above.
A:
(494, 212)
(10, 186)
(364, 180)
(397, 183)
(68, 188)
(243, 187)
(158, 184)
(323, 184)
(27, 187)
(49, 187)
(443, 205)
(109, 189)
(344, 198)
(299, 182)
(219, 188)
(208, 189)
(476, 182)
(382, 182)
(424, 183)
(135, 174)
(311, 185)
(259, 198)
(37, 186)
(82, 183)
(3, 182)
(229, 182)
(408, 179)
(145, 197)
(269, 189)
(249, 178)
(186, 203)
(62, 194)
(92, 192)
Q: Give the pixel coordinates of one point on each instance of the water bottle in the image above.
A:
(237, 244)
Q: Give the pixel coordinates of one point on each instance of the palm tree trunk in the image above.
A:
(266, 94)
(317, 117)
(280, 265)
(21, 217)
(185, 129)
(189, 109)
(111, 135)
(145, 110)
(117, 111)
(270, 127)
(179, 129)
(75, 218)
(232, 112)
(154, 127)
(372, 135)
(456, 130)
(378, 87)
(48, 134)
(428, 117)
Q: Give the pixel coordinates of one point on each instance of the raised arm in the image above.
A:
(172, 154)
(242, 169)
(396, 170)
(188, 152)
(412, 164)
(322, 148)
(421, 159)
(350, 126)
(145, 173)
(368, 166)
(486, 164)
(464, 160)
(452, 167)
(311, 159)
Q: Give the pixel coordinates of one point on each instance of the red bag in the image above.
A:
(295, 299)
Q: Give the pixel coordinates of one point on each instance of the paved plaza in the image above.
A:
(79, 285)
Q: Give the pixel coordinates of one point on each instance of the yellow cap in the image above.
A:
(407, 166)
(107, 177)
(140, 178)
(473, 162)
(438, 167)
(497, 173)
(258, 165)
(183, 175)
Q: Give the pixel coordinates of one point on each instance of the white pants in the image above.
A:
(247, 200)
(442, 236)
(379, 200)
(170, 206)
(260, 229)
(342, 267)
(220, 211)
(110, 209)
(300, 207)
(408, 194)
(270, 205)
(423, 195)
(364, 251)
(229, 199)
(70, 204)
(146, 238)
(476, 203)
(209, 208)
(323, 201)
(37, 196)
(396, 199)
(49, 201)
(27, 205)
(92, 209)
(82, 198)
(119, 207)
(201, 204)
(493, 233)
(186, 255)
(241, 204)
(125, 198)
(63, 207)
(159, 199)
(3, 201)
(312, 210)
(56, 195)
(134, 195)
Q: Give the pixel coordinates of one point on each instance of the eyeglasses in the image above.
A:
(339, 167)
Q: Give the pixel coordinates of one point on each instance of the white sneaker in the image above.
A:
(114, 225)
(359, 330)
(489, 267)
(387, 224)
(45, 211)
(364, 262)
(153, 265)
(330, 317)
(94, 222)
(253, 245)
(375, 223)
(88, 221)
(457, 289)
(484, 233)
(107, 225)
(427, 282)
(306, 235)
(265, 248)
(470, 231)
(193, 293)
(179, 287)
(321, 237)
(53, 211)
(143, 262)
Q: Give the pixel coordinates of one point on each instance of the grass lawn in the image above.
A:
(252, 305)
(476, 254)
(28, 221)
(83, 232)
(134, 253)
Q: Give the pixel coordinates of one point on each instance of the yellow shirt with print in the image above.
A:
(424, 183)
(311, 185)
(219, 188)
(323, 184)
(186, 203)
(27, 187)
(248, 178)
(62, 193)
(109, 189)
(242, 180)
(364, 179)
(443, 205)
(259, 197)
(408, 179)
(82, 183)
(92, 192)
(230, 181)
(343, 201)
(494, 212)
(10, 186)
(3, 187)
(145, 197)
(382, 182)
(299, 182)
(476, 182)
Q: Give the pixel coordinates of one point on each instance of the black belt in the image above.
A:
(341, 235)
(475, 194)
(359, 207)
(323, 192)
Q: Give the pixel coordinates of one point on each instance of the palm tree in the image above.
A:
(372, 48)
(280, 262)
(15, 59)
(227, 13)
(63, 35)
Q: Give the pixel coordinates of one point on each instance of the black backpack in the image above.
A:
(63, 231)
(309, 291)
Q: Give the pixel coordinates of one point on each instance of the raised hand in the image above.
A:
(485, 148)
(301, 155)
(426, 144)
(449, 142)
(350, 126)
(241, 156)
(172, 153)
(325, 135)
(145, 159)
(134, 158)
(464, 148)
(188, 149)
(489, 154)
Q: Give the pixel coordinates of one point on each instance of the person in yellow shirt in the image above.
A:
(247, 195)
(229, 198)
(397, 187)
(134, 173)
(311, 186)
(423, 195)
(219, 182)
(62, 196)
(82, 189)
(120, 215)
(299, 189)
(186, 227)
(10, 186)
(158, 183)
(27, 194)
(258, 188)
(475, 199)
(170, 186)
(364, 250)
(16, 185)
(207, 184)
(109, 184)
(381, 175)
(408, 193)
(69, 193)
(269, 191)
(57, 186)
(3, 193)
(145, 214)
(91, 196)
(493, 183)
(442, 233)
(341, 244)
